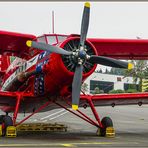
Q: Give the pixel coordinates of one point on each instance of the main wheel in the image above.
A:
(7, 121)
(106, 122)
(1, 119)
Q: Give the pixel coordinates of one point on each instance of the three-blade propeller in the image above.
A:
(81, 57)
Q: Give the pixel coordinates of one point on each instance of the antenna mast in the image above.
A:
(53, 22)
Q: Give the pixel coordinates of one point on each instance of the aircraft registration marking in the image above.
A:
(22, 68)
(39, 80)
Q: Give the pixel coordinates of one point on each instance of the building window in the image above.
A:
(119, 79)
(130, 86)
(102, 85)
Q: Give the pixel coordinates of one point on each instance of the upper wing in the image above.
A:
(116, 99)
(12, 43)
(122, 48)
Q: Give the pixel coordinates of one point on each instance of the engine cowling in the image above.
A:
(72, 44)
(60, 74)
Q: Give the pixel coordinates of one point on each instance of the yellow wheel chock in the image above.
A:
(110, 132)
(1, 130)
(11, 131)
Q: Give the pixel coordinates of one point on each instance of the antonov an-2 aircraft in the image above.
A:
(48, 72)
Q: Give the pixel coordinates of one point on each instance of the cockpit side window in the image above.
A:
(41, 39)
(61, 38)
(51, 40)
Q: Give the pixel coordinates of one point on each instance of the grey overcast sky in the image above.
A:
(107, 19)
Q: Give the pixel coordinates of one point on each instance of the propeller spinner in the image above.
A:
(80, 57)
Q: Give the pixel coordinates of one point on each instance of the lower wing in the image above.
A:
(8, 100)
(116, 99)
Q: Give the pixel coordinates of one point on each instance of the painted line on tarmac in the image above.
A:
(59, 115)
(55, 116)
(68, 145)
(52, 114)
(56, 145)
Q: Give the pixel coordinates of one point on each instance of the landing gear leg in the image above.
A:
(106, 124)
(95, 113)
(16, 109)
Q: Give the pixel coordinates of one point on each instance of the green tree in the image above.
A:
(84, 87)
(140, 71)
(107, 71)
(116, 91)
(97, 90)
(117, 71)
(100, 71)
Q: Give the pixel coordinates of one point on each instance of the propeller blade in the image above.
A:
(85, 23)
(47, 47)
(110, 62)
(76, 86)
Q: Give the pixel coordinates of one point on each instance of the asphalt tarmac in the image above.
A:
(130, 122)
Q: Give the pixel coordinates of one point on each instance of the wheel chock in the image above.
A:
(1, 130)
(110, 132)
(98, 132)
(11, 131)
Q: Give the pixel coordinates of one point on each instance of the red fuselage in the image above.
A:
(53, 75)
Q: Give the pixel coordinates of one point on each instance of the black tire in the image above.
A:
(7, 120)
(1, 119)
(106, 122)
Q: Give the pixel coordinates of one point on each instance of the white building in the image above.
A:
(107, 82)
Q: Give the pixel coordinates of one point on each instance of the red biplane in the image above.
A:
(48, 72)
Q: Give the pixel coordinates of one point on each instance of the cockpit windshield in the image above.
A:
(52, 39)
(55, 39)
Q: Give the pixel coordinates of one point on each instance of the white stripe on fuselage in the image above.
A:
(22, 68)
